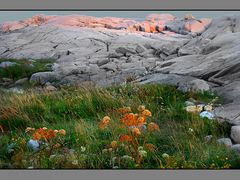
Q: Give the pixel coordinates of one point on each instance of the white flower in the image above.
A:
(83, 149)
(165, 155)
(142, 153)
(104, 151)
(190, 130)
(75, 162)
(127, 157)
(114, 159)
(140, 148)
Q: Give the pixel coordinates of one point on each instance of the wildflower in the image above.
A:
(141, 121)
(142, 153)
(105, 121)
(146, 113)
(52, 157)
(150, 147)
(1, 128)
(141, 108)
(104, 150)
(127, 157)
(57, 145)
(140, 148)
(114, 144)
(62, 132)
(56, 131)
(136, 131)
(190, 130)
(44, 128)
(129, 119)
(75, 162)
(114, 159)
(153, 127)
(83, 149)
(110, 149)
(125, 110)
(28, 129)
(208, 107)
(37, 136)
(165, 155)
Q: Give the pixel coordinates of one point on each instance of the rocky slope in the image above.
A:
(190, 53)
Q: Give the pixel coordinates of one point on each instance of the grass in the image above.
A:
(24, 68)
(79, 110)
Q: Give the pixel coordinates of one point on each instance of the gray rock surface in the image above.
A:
(235, 134)
(207, 59)
(225, 141)
(236, 147)
(7, 64)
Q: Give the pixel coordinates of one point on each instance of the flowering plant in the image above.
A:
(137, 131)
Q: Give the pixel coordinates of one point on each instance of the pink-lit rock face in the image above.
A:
(34, 21)
(197, 26)
(160, 17)
(92, 22)
(154, 23)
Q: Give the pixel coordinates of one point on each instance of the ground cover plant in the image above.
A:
(23, 68)
(125, 126)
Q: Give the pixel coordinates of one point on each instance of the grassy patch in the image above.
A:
(79, 111)
(24, 68)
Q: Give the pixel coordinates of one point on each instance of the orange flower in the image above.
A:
(114, 144)
(104, 123)
(146, 113)
(29, 129)
(37, 136)
(62, 132)
(1, 128)
(56, 131)
(57, 145)
(125, 110)
(150, 147)
(51, 134)
(106, 120)
(124, 138)
(141, 108)
(136, 131)
(153, 127)
(141, 121)
(129, 119)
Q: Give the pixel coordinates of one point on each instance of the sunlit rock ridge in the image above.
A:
(186, 52)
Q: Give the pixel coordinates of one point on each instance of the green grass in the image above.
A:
(23, 68)
(79, 110)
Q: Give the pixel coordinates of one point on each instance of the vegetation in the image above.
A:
(23, 68)
(129, 126)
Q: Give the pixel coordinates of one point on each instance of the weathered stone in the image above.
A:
(235, 134)
(196, 85)
(21, 81)
(7, 64)
(225, 141)
(50, 88)
(43, 77)
(236, 147)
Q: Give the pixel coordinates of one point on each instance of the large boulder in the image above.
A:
(235, 134)
(44, 77)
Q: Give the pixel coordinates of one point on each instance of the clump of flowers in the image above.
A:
(137, 131)
(48, 138)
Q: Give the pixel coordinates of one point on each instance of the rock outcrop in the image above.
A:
(190, 53)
